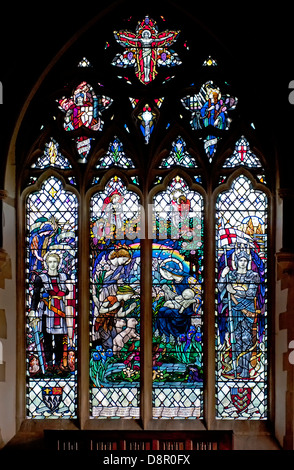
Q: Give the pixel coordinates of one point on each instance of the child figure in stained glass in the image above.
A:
(111, 309)
(174, 317)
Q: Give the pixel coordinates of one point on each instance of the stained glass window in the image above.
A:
(51, 301)
(52, 158)
(242, 155)
(109, 186)
(83, 146)
(178, 156)
(210, 146)
(177, 273)
(84, 108)
(241, 302)
(209, 107)
(146, 49)
(115, 156)
(115, 216)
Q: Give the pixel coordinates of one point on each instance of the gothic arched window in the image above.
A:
(145, 210)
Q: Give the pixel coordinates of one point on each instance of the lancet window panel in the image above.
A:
(177, 302)
(241, 302)
(115, 271)
(51, 301)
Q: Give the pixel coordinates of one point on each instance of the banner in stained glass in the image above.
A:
(51, 301)
(177, 273)
(115, 216)
(241, 302)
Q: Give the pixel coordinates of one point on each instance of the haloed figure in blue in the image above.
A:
(174, 317)
(241, 285)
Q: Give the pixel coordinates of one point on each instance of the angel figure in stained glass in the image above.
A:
(145, 49)
(240, 302)
(112, 210)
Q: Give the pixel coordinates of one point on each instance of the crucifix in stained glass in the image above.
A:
(146, 49)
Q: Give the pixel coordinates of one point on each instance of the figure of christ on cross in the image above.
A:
(146, 42)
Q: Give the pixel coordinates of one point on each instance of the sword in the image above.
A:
(38, 345)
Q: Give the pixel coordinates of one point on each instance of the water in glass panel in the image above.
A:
(115, 302)
(241, 302)
(51, 300)
(177, 273)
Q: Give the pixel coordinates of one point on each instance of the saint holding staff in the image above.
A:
(240, 300)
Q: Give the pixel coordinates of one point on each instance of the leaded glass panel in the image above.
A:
(177, 274)
(115, 216)
(178, 156)
(242, 155)
(115, 156)
(52, 158)
(146, 49)
(209, 107)
(241, 302)
(51, 301)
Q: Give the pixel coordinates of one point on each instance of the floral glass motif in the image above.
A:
(242, 155)
(146, 49)
(52, 158)
(178, 156)
(177, 273)
(115, 156)
(51, 301)
(84, 108)
(209, 107)
(115, 303)
(241, 302)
